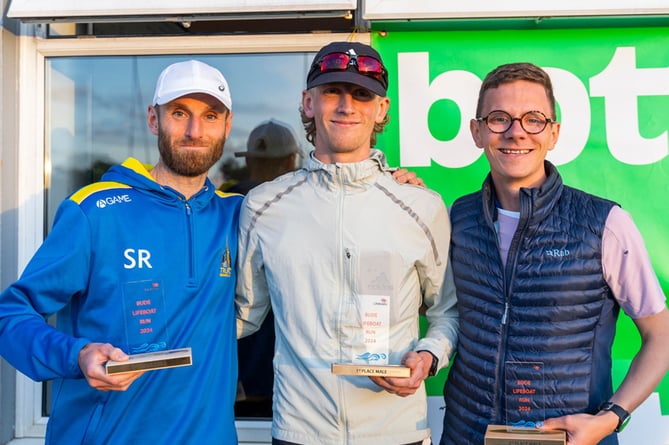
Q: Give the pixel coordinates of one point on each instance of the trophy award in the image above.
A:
(371, 349)
(146, 331)
(149, 361)
(523, 404)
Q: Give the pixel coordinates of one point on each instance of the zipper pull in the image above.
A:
(506, 313)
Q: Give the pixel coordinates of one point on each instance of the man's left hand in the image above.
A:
(419, 363)
(404, 176)
(583, 429)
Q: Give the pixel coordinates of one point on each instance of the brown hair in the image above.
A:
(512, 72)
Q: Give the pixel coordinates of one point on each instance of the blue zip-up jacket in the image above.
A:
(550, 307)
(135, 264)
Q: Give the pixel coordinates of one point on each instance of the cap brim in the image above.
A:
(368, 82)
(169, 97)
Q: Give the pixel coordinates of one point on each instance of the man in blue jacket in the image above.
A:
(141, 261)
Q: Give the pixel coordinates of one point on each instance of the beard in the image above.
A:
(190, 163)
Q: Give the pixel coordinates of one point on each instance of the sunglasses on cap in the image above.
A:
(366, 65)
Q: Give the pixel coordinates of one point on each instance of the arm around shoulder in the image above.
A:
(439, 295)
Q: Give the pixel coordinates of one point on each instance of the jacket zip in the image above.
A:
(509, 274)
(344, 296)
(191, 246)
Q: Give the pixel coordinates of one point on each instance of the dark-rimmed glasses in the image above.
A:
(533, 122)
(366, 65)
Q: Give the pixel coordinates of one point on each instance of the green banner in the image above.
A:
(612, 89)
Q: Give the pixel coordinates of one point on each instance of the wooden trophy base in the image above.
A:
(152, 360)
(506, 435)
(371, 370)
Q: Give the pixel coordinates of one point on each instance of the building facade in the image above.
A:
(75, 82)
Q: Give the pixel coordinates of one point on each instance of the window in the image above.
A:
(97, 107)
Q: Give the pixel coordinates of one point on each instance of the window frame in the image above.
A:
(33, 160)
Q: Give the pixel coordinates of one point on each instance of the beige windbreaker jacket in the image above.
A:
(333, 248)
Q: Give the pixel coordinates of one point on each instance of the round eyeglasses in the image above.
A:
(533, 122)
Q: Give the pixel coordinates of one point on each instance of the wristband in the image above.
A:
(435, 363)
(623, 415)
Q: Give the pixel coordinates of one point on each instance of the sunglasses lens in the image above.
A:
(365, 65)
(334, 61)
(370, 66)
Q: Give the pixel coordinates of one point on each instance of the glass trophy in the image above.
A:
(371, 354)
(146, 331)
(523, 398)
(145, 317)
(523, 408)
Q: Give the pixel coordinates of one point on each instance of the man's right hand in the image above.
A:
(92, 359)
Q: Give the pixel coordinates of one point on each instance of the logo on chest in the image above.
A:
(557, 253)
(226, 268)
(137, 259)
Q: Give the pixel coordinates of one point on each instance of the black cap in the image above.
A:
(350, 75)
(271, 139)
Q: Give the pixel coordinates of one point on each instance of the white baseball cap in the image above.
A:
(192, 76)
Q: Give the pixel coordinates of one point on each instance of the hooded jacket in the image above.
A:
(550, 310)
(135, 264)
(318, 243)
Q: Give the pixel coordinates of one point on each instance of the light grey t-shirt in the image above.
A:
(627, 267)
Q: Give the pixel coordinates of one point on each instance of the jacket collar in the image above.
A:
(349, 174)
(535, 203)
(135, 174)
